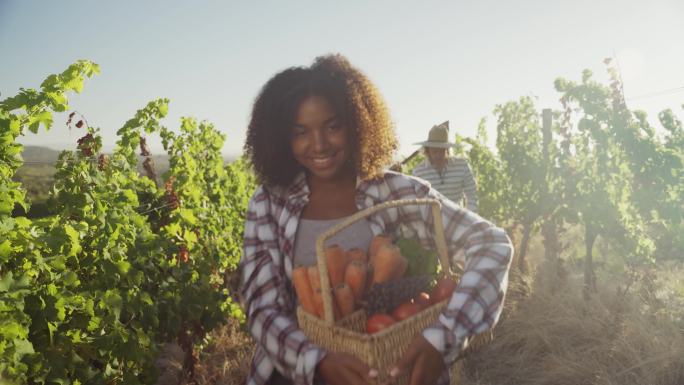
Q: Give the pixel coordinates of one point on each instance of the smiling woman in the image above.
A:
(319, 140)
(352, 103)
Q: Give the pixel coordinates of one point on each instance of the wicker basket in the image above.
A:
(383, 349)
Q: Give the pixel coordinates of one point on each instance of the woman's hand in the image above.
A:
(424, 363)
(344, 369)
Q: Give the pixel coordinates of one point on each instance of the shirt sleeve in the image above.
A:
(264, 294)
(477, 301)
(470, 188)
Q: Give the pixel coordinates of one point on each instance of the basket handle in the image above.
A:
(320, 243)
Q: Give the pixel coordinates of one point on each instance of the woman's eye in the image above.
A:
(334, 126)
(298, 132)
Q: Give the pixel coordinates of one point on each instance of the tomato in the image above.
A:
(406, 310)
(379, 322)
(423, 299)
(443, 290)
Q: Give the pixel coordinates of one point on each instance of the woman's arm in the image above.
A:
(477, 301)
(265, 299)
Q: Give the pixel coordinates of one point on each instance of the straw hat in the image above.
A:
(438, 137)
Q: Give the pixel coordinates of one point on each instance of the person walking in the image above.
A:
(447, 174)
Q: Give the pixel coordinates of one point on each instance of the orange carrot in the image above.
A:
(300, 280)
(344, 297)
(337, 263)
(355, 276)
(337, 314)
(318, 303)
(314, 278)
(377, 241)
(320, 310)
(388, 264)
(357, 254)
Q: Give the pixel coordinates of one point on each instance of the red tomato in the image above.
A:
(406, 310)
(423, 299)
(379, 322)
(443, 290)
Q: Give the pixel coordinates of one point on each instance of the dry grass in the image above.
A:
(226, 358)
(548, 335)
(556, 337)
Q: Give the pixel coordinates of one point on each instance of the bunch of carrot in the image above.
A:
(351, 274)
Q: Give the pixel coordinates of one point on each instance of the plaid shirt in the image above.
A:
(267, 262)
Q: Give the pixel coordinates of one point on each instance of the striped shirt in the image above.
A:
(266, 266)
(455, 182)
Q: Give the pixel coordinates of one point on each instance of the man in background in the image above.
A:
(449, 175)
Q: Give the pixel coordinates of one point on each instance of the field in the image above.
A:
(548, 334)
(127, 274)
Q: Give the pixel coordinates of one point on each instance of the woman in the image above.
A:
(318, 139)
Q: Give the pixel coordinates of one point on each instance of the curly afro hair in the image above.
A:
(352, 95)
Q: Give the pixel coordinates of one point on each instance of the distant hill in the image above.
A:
(37, 173)
(35, 154)
(40, 154)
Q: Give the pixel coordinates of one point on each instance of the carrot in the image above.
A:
(300, 280)
(344, 297)
(314, 278)
(400, 267)
(377, 241)
(320, 310)
(357, 254)
(318, 303)
(337, 263)
(388, 264)
(356, 276)
(337, 314)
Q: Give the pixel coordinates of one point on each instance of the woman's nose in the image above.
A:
(320, 141)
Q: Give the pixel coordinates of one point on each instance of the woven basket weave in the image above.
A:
(382, 349)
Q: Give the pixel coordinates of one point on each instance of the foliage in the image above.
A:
(489, 175)
(519, 143)
(89, 293)
(420, 260)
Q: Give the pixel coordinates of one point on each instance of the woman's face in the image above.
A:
(320, 141)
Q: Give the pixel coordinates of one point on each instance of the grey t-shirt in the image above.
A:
(358, 235)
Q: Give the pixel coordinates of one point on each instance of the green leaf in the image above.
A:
(73, 234)
(173, 229)
(189, 237)
(70, 279)
(123, 267)
(5, 250)
(6, 282)
(145, 298)
(188, 215)
(59, 306)
(22, 347)
(113, 302)
(44, 118)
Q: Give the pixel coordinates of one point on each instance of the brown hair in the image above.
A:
(352, 95)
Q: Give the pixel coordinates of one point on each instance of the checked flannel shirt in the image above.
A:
(267, 263)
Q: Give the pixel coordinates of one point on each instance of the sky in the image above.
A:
(432, 60)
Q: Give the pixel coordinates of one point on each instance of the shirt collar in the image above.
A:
(298, 191)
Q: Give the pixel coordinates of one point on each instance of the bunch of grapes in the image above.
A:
(85, 144)
(102, 161)
(384, 297)
(171, 197)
